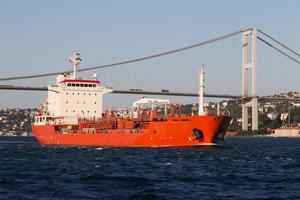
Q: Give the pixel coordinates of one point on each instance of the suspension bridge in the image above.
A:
(249, 94)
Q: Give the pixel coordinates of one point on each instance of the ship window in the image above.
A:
(90, 94)
(78, 93)
(81, 85)
(83, 93)
(94, 85)
(69, 84)
(95, 94)
(84, 102)
(85, 85)
(73, 84)
(77, 85)
(67, 102)
(66, 93)
(73, 110)
(95, 111)
(66, 110)
(95, 102)
(90, 85)
(72, 93)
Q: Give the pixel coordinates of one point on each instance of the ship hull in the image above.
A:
(175, 132)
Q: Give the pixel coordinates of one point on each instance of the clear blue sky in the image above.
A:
(37, 36)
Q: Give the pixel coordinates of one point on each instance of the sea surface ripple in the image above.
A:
(243, 168)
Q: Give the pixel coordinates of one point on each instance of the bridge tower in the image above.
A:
(249, 63)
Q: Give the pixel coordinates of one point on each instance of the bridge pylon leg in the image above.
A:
(244, 117)
(247, 65)
(254, 114)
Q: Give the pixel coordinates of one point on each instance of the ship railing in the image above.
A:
(67, 120)
(85, 131)
(70, 120)
(94, 131)
(49, 120)
(42, 120)
(136, 131)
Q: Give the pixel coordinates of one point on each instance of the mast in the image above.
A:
(75, 60)
(201, 90)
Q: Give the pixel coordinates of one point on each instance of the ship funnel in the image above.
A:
(201, 91)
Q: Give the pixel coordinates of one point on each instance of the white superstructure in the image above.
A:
(73, 98)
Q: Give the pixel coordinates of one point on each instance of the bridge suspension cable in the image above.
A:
(280, 43)
(129, 61)
(164, 54)
(277, 49)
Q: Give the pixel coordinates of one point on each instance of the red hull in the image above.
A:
(176, 131)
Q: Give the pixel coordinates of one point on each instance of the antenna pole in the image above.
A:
(201, 90)
(75, 60)
(75, 71)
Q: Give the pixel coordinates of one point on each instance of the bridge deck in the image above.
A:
(142, 92)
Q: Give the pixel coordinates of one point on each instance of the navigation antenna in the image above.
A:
(75, 61)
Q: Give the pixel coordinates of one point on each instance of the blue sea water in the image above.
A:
(243, 168)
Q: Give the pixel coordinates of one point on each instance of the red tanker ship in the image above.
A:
(72, 116)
